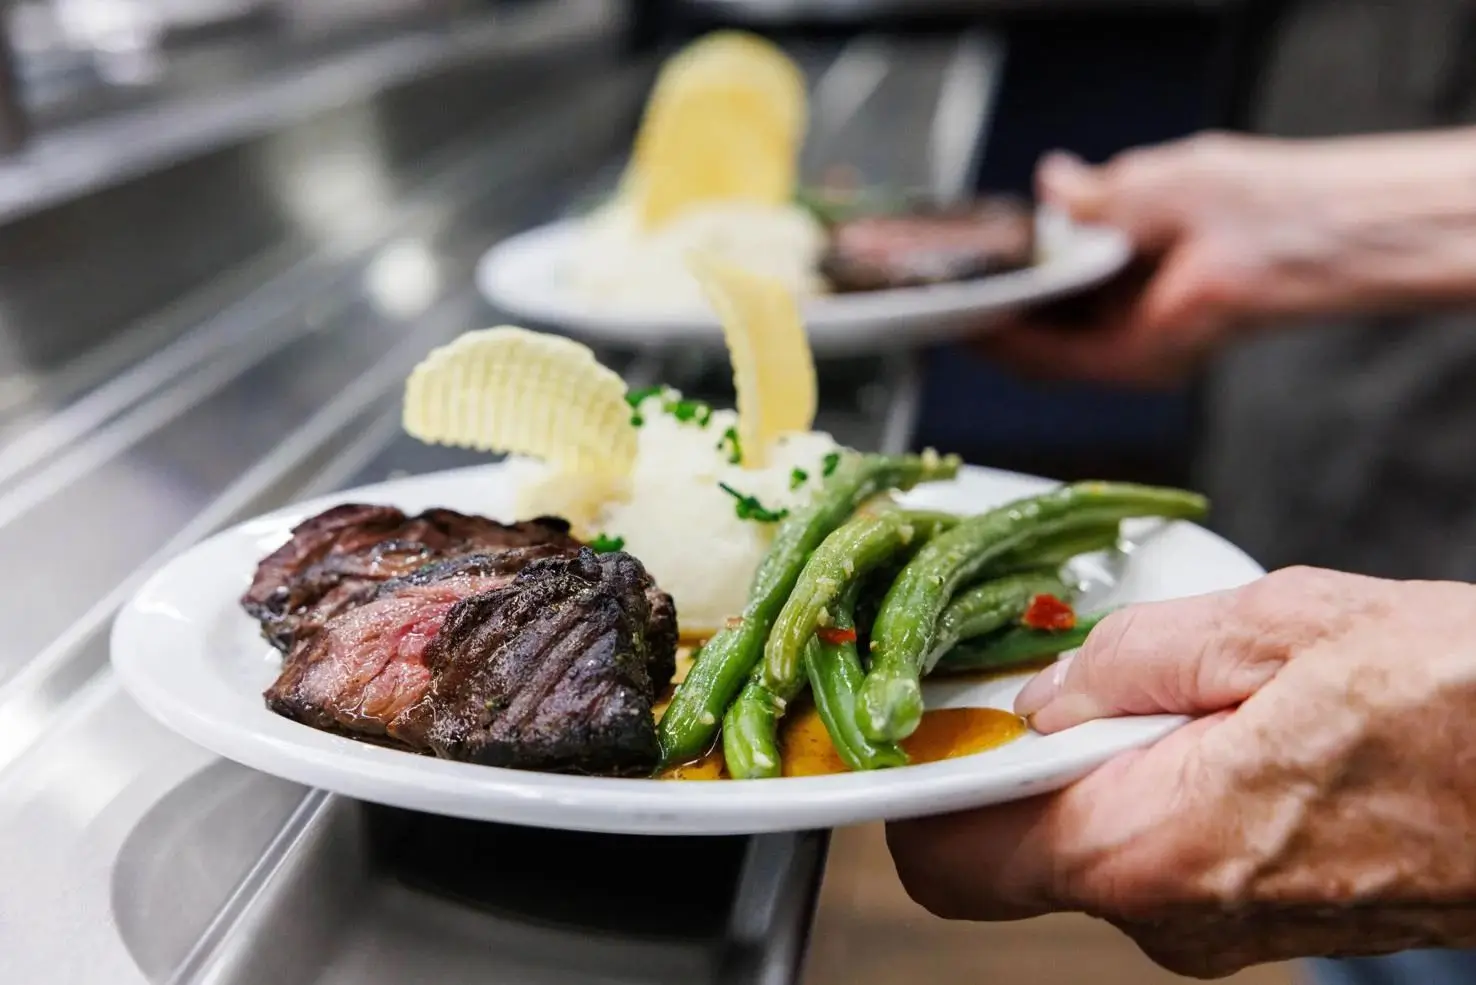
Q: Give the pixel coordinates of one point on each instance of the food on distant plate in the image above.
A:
(616, 262)
(714, 171)
(877, 252)
(817, 598)
(724, 123)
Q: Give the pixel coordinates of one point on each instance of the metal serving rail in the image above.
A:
(228, 334)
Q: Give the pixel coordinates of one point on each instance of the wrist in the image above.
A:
(1401, 213)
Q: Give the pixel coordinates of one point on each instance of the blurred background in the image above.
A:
(227, 230)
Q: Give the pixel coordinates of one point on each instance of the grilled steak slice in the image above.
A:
(872, 253)
(550, 669)
(662, 634)
(337, 559)
(368, 663)
(550, 673)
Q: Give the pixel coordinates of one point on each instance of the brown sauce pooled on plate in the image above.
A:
(945, 733)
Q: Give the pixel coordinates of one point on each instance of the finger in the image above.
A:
(1071, 185)
(1194, 297)
(1136, 192)
(1084, 848)
(1188, 657)
(1046, 340)
(1098, 336)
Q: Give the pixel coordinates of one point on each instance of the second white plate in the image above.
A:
(523, 276)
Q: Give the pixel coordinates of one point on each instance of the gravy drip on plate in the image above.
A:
(945, 733)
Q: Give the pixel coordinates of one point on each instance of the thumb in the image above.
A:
(1069, 184)
(1184, 657)
(1142, 193)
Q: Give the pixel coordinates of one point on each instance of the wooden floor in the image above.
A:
(867, 932)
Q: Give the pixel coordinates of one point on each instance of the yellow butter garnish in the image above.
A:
(773, 367)
(724, 123)
(510, 390)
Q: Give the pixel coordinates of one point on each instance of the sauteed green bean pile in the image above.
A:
(859, 598)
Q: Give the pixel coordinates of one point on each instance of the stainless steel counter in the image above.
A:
(229, 331)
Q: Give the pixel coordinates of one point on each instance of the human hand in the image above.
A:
(1324, 807)
(1233, 232)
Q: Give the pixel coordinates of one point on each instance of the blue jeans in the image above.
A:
(1410, 968)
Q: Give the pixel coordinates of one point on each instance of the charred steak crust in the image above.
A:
(335, 560)
(991, 236)
(327, 678)
(534, 658)
(661, 631)
(550, 673)
(354, 525)
(502, 564)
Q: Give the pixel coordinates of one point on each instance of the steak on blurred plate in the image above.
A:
(876, 252)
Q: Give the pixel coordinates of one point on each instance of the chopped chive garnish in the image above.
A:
(605, 544)
(637, 397)
(749, 508)
(797, 478)
(829, 463)
(689, 411)
(636, 420)
(732, 446)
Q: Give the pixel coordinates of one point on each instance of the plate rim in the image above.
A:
(861, 322)
(627, 806)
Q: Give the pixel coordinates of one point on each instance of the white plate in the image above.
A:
(193, 659)
(523, 276)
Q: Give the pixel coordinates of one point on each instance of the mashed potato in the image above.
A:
(673, 513)
(617, 263)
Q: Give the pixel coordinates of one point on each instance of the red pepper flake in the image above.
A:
(835, 636)
(1049, 613)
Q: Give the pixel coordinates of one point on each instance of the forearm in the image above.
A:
(1395, 222)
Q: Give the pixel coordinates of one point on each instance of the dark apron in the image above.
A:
(1347, 445)
(1065, 86)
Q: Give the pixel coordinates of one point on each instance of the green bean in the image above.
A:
(835, 674)
(1056, 550)
(751, 730)
(1014, 647)
(876, 534)
(687, 728)
(906, 625)
(927, 524)
(988, 607)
